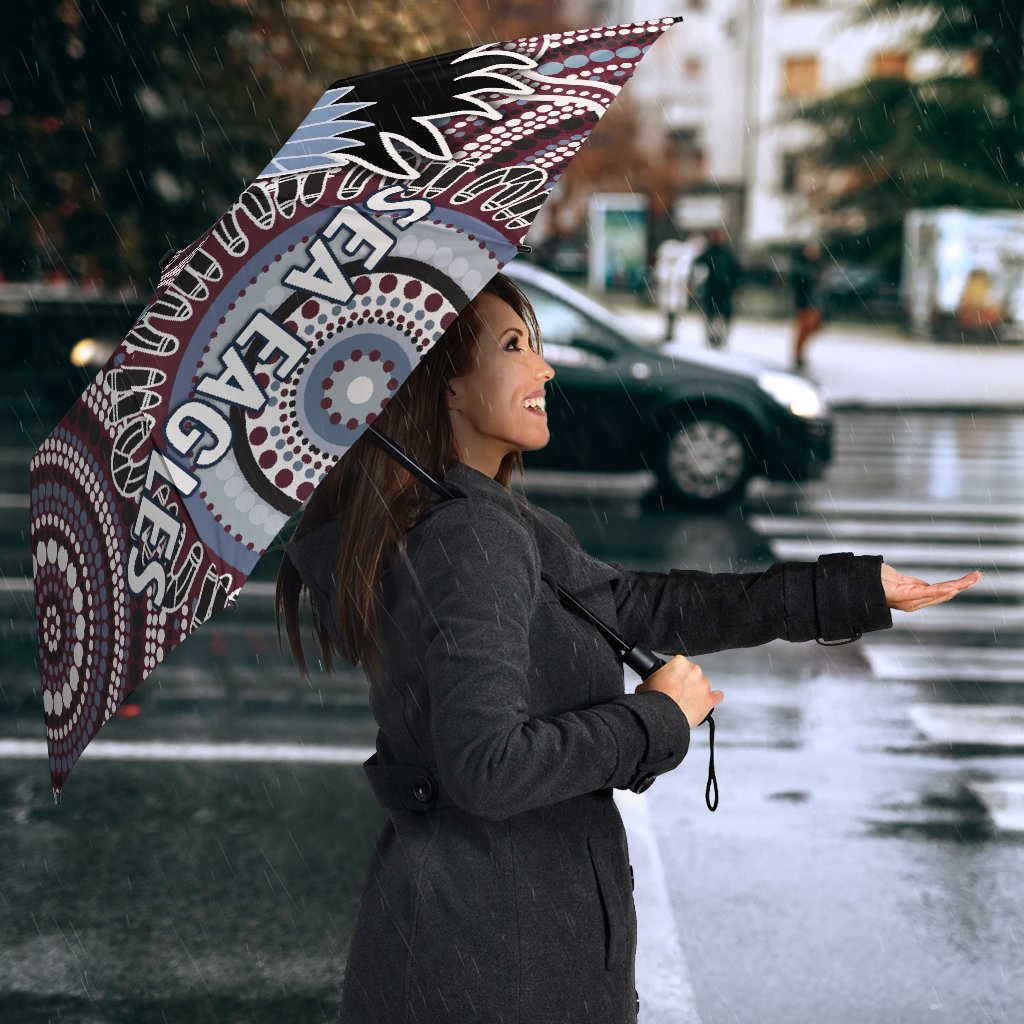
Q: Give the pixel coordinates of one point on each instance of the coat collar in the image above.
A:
(315, 555)
(474, 484)
(561, 554)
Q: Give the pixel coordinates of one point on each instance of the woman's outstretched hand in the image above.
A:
(908, 593)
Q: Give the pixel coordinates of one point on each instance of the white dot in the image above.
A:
(40, 552)
(80, 627)
(471, 282)
(225, 469)
(458, 268)
(62, 559)
(72, 575)
(244, 502)
(258, 514)
(51, 550)
(58, 703)
(359, 390)
(73, 677)
(66, 694)
(76, 600)
(48, 702)
(443, 256)
(426, 249)
(234, 487)
(78, 655)
(274, 523)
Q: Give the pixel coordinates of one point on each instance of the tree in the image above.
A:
(131, 125)
(892, 144)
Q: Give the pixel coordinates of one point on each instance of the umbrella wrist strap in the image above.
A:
(712, 778)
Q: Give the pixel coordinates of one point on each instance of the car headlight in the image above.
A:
(799, 397)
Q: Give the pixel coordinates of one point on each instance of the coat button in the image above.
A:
(637, 994)
(423, 789)
(631, 885)
(643, 783)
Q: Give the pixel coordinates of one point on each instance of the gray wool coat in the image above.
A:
(500, 888)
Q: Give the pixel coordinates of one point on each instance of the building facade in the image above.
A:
(724, 84)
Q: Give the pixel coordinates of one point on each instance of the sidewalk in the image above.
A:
(863, 365)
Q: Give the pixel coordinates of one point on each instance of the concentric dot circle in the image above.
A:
(81, 600)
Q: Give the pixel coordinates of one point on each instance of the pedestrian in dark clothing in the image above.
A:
(803, 280)
(722, 271)
(500, 887)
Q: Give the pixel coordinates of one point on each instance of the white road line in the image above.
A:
(662, 975)
(907, 529)
(971, 556)
(989, 725)
(952, 664)
(1004, 802)
(828, 506)
(965, 617)
(113, 750)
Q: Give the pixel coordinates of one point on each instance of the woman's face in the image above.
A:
(488, 416)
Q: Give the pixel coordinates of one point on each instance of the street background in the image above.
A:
(864, 862)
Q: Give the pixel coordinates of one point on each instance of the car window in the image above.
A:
(562, 325)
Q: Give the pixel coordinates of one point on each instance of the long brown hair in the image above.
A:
(374, 499)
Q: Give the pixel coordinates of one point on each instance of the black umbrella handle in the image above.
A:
(645, 663)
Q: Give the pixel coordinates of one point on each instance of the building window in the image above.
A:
(800, 76)
(889, 64)
(687, 152)
(790, 172)
(693, 69)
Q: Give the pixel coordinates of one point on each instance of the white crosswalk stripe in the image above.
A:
(963, 510)
(934, 663)
(983, 725)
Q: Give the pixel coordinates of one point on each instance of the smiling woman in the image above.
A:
(498, 407)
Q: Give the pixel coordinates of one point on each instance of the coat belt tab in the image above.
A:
(406, 787)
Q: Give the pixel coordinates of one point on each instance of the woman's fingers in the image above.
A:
(910, 597)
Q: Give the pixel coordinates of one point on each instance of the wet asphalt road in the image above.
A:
(860, 867)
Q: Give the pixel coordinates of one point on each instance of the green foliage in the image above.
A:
(953, 139)
(130, 125)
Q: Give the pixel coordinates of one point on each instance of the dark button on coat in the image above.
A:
(511, 903)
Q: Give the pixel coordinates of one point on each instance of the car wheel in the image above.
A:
(705, 460)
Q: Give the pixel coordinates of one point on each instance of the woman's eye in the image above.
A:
(514, 342)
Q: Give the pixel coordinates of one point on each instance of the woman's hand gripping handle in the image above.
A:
(687, 685)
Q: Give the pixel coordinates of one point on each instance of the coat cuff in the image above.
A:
(849, 596)
(668, 735)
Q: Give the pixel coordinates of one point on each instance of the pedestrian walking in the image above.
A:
(672, 266)
(500, 887)
(803, 281)
(721, 272)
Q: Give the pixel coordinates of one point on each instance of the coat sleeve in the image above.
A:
(839, 597)
(477, 570)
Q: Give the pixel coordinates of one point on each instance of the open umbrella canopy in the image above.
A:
(273, 340)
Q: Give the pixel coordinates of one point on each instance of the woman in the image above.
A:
(500, 886)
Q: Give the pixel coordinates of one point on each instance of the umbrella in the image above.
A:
(271, 340)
